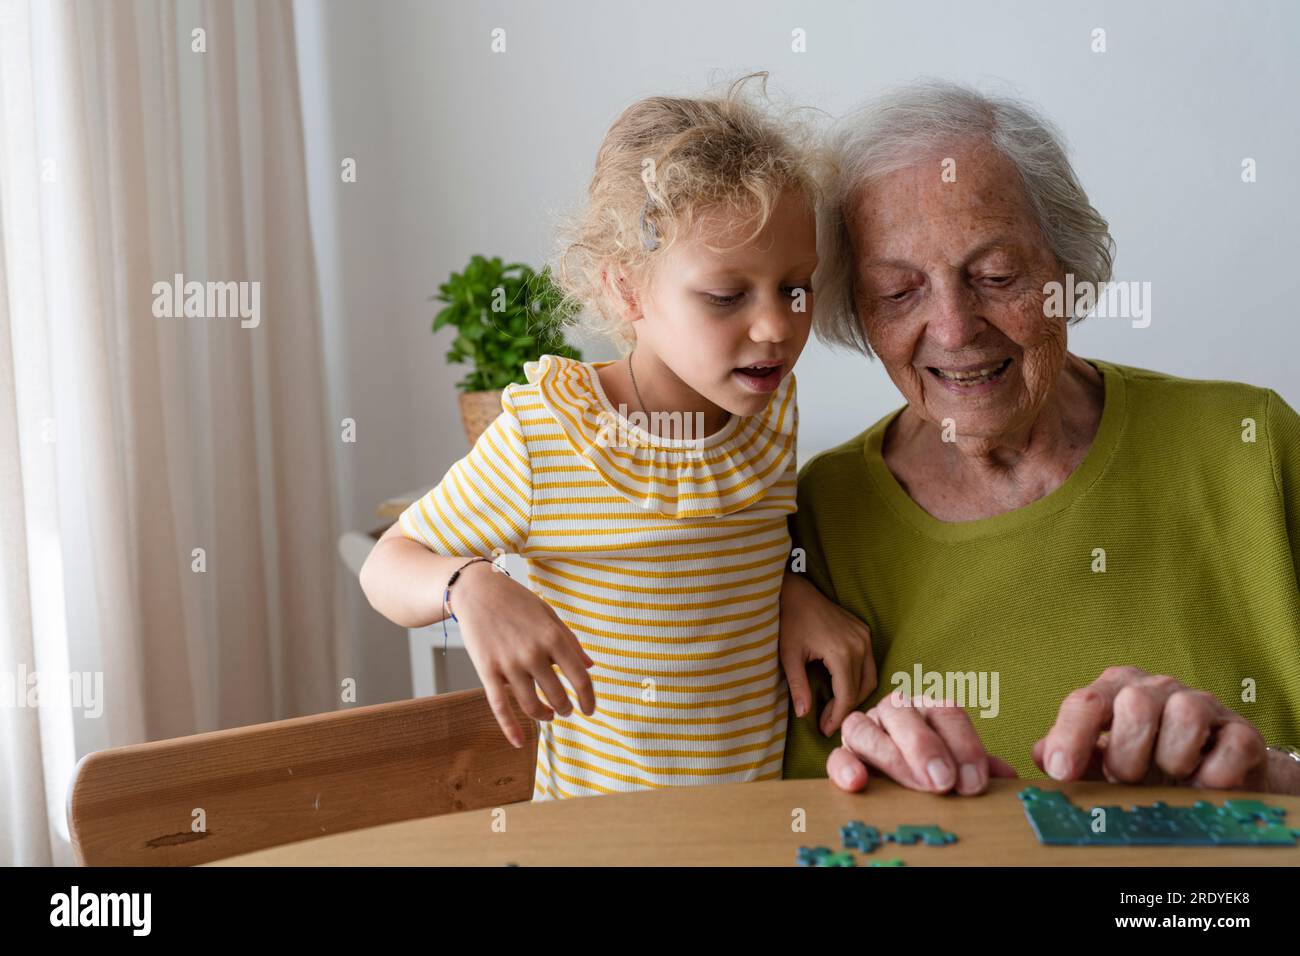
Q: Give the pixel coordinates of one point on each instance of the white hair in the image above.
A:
(903, 127)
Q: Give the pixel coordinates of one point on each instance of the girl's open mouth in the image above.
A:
(760, 378)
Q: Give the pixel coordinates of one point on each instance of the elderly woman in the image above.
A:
(1101, 560)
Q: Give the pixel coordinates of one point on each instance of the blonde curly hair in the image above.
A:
(665, 162)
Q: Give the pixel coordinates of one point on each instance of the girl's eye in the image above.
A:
(805, 289)
(723, 299)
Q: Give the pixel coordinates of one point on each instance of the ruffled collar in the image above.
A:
(679, 477)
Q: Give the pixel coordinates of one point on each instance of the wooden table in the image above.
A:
(750, 825)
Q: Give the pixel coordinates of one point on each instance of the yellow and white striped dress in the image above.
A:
(664, 557)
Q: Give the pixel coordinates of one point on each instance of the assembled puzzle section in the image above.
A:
(1057, 821)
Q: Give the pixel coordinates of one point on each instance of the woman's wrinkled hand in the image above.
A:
(920, 744)
(1129, 726)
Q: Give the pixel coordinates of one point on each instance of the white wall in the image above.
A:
(461, 150)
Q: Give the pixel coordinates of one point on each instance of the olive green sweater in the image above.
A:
(1173, 547)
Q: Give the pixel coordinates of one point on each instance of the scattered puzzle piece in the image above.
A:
(823, 856)
(809, 856)
(909, 833)
(1057, 821)
(856, 835)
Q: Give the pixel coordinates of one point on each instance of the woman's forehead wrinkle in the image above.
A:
(974, 222)
(977, 235)
(913, 201)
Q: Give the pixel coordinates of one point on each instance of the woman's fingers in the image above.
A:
(1083, 715)
(922, 745)
(1136, 713)
(954, 727)
(1000, 769)
(1189, 718)
(927, 756)
(1129, 726)
(867, 740)
(1238, 755)
(846, 770)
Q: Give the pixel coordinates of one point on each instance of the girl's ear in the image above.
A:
(619, 290)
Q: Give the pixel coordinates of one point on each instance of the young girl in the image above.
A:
(649, 494)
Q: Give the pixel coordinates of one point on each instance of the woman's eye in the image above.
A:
(723, 299)
(898, 296)
(998, 280)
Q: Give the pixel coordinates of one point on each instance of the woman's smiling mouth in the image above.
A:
(971, 378)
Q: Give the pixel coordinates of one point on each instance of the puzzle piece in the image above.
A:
(810, 856)
(909, 833)
(823, 856)
(1057, 821)
(856, 835)
(894, 862)
(1248, 811)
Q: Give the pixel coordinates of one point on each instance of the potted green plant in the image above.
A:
(504, 316)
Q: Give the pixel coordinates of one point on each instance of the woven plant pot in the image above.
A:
(478, 410)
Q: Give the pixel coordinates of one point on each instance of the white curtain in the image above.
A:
(167, 509)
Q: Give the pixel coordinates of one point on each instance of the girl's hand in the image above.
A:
(514, 640)
(814, 628)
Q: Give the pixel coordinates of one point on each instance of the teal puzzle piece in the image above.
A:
(856, 835)
(823, 856)
(932, 835)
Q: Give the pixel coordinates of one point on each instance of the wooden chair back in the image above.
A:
(193, 799)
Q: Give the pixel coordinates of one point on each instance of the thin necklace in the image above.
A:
(634, 388)
(632, 374)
